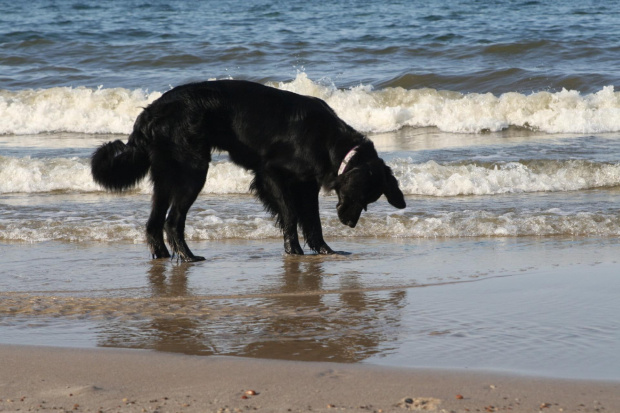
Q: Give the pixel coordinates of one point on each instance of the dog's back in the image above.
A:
(248, 120)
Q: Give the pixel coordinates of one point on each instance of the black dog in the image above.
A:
(294, 145)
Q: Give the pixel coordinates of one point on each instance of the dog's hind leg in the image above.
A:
(306, 197)
(155, 224)
(187, 188)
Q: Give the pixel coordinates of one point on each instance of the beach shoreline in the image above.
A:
(536, 307)
(64, 379)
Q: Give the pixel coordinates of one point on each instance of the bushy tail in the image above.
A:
(117, 166)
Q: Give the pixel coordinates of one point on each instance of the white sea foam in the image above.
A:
(211, 226)
(434, 179)
(32, 175)
(484, 224)
(114, 110)
(390, 109)
(66, 109)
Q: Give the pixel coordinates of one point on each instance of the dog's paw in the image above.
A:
(292, 247)
(294, 251)
(325, 250)
(191, 258)
(186, 257)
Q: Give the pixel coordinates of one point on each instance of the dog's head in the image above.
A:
(363, 185)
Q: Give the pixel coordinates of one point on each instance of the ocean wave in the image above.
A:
(38, 175)
(434, 179)
(67, 109)
(28, 175)
(470, 223)
(207, 225)
(392, 108)
(369, 110)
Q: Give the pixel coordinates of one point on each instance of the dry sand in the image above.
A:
(65, 379)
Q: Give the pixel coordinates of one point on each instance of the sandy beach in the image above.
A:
(57, 379)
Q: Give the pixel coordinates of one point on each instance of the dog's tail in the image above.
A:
(118, 166)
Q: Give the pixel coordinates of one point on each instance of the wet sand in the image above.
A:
(55, 379)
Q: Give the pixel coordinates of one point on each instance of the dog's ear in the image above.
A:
(391, 190)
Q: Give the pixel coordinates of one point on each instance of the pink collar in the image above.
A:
(346, 160)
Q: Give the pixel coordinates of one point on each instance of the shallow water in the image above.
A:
(528, 305)
(524, 185)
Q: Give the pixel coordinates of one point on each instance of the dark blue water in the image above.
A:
(464, 46)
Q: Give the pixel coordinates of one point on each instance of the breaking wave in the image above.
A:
(38, 175)
(83, 110)
(212, 225)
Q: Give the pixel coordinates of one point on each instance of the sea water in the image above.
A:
(499, 119)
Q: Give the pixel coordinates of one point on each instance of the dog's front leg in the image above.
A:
(307, 206)
(287, 218)
(278, 199)
(291, 243)
(313, 234)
